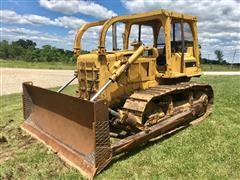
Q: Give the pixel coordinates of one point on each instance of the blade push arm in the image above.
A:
(120, 70)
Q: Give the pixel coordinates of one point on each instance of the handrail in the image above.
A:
(108, 22)
(78, 37)
(140, 17)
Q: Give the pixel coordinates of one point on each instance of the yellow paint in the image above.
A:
(94, 69)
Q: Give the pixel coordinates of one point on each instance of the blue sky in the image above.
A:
(56, 21)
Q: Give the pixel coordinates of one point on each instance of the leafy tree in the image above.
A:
(16, 51)
(219, 55)
(33, 55)
(45, 53)
(26, 44)
(4, 49)
(26, 50)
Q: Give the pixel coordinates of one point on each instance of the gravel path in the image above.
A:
(11, 78)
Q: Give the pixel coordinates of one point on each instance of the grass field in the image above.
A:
(218, 67)
(210, 150)
(61, 65)
(36, 65)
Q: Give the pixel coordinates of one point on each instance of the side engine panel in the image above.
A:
(94, 71)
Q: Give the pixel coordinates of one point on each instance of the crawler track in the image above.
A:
(142, 103)
(179, 106)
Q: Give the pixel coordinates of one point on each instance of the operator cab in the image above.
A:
(171, 38)
(151, 33)
(181, 42)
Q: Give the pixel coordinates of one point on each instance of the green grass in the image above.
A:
(36, 65)
(61, 65)
(210, 150)
(218, 67)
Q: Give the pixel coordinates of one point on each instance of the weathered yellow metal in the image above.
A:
(78, 37)
(98, 66)
(125, 66)
(140, 18)
(133, 93)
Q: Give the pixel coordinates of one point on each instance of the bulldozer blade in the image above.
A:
(77, 130)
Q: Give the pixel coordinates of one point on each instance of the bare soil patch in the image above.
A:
(11, 79)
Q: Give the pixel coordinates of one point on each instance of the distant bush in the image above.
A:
(26, 50)
(207, 61)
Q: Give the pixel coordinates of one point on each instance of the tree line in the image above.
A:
(219, 56)
(26, 50)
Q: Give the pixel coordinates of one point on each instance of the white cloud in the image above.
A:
(18, 31)
(69, 22)
(89, 41)
(13, 17)
(218, 20)
(41, 38)
(78, 6)
(9, 16)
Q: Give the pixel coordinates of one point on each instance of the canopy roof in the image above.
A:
(153, 14)
(146, 18)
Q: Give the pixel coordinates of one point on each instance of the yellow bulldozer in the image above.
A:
(138, 90)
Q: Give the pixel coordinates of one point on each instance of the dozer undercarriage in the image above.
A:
(81, 136)
(125, 97)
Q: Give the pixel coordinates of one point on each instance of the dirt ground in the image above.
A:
(11, 78)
